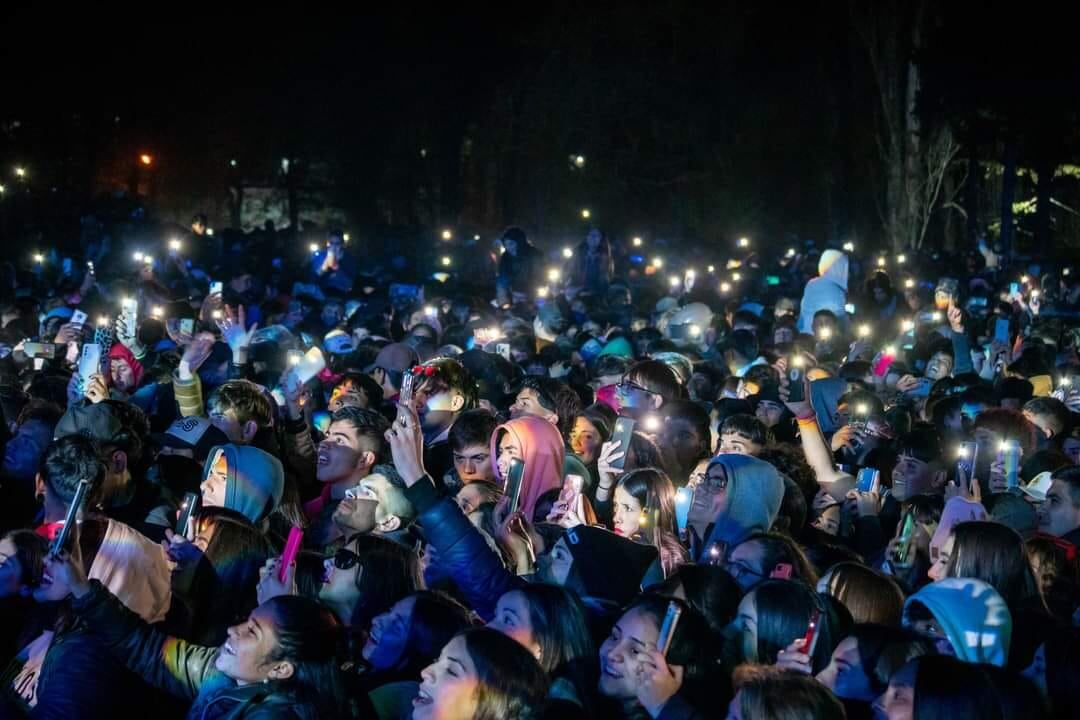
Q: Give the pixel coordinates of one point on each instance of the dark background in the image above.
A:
(699, 122)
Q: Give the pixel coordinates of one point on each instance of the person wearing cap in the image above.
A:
(1059, 514)
(828, 291)
(389, 368)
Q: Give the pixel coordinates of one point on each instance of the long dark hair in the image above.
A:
(947, 688)
(560, 628)
(653, 489)
(512, 685)
(388, 572)
(709, 589)
(995, 554)
(784, 608)
(1062, 658)
(311, 638)
(223, 589)
(434, 620)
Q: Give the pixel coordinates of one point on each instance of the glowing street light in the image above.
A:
(744, 242)
(585, 214)
(579, 161)
(146, 159)
(446, 261)
(553, 275)
(20, 172)
(567, 253)
(637, 242)
(39, 258)
(725, 287)
(447, 235)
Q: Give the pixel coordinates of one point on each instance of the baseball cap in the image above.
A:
(395, 357)
(95, 421)
(191, 433)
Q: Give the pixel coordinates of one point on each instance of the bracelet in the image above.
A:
(810, 419)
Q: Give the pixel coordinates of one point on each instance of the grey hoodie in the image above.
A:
(755, 490)
(254, 482)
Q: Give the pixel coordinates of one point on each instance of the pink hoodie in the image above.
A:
(543, 452)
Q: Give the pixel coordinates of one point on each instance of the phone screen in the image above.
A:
(513, 483)
(869, 480)
(624, 431)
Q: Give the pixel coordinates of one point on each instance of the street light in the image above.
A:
(20, 172)
(554, 275)
(146, 159)
(637, 242)
(744, 242)
(446, 261)
(567, 253)
(447, 235)
(579, 161)
(585, 214)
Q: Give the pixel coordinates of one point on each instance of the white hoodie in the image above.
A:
(828, 291)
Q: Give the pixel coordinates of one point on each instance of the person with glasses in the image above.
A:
(645, 387)
(766, 555)
(366, 577)
(738, 496)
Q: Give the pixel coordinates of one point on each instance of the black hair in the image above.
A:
(743, 342)
(947, 688)
(364, 382)
(557, 397)
(748, 426)
(512, 685)
(472, 427)
(309, 637)
(709, 589)
(369, 426)
(784, 608)
(69, 460)
(656, 377)
(921, 443)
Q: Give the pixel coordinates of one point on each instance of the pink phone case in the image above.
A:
(292, 549)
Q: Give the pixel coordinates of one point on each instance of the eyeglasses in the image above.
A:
(714, 481)
(360, 492)
(625, 385)
(345, 559)
(738, 569)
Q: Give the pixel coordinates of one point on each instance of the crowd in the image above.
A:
(241, 481)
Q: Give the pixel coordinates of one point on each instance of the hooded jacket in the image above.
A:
(119, 352)
(755, 490)
(254, 481)
(543, 452)
(828, 291)
(973, 616)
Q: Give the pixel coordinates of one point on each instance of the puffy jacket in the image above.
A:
(181, 668)
(463, 553)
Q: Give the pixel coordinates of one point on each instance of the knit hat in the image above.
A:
(609, 567)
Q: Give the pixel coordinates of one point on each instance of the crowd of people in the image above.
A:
(241, 481)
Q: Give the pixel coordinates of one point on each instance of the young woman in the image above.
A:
(861, 665)
(765, 555)
(481, 674)
(538, 444)
(644, 510)
(764, 693)
(1056, 566)
(216, 594)
(549, 622)
(709, 589)
(635, 677)
(939, 687)
(281, 662)
(777, 612)
(869, 596)
(366, 577)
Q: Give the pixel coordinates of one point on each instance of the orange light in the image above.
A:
(146, 159)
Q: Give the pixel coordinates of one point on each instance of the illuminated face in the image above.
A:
(473, 463)
(624, 652)
(527, 404)
(513, 619)
(940, 366)
(214, 486)
(10, 570)
(911, 477)
(936, 573)
(738, 444)
(627, 513)
(1058, 515)
(509, 449)
(246, 655)
(585, 440)
(123, 378)
(769, 413)
(346, 394)
(449, 687)
(389, 635)
(555, 566)
(339, 456)
(844, 675)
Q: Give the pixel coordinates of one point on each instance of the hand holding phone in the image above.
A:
(667, 628)
(624, 433)
(73, 517)
(187, 510)
(512, 488)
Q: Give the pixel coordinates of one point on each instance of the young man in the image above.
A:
(390, 365)
(442, 390)
(354, 444)
(550, 400)
(1059, 515)
(240, 410)
(743, 435)
(470, 442)
(379, 507)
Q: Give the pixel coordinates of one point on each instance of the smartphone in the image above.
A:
(907, 532)
(782, 571)
(683, 499)
(294, 357)
(504, 350)
(310, 365)
(78, 318)
(90, 266)
(90, 360)
(513, 483)
(1014, 288)
(1010, 456)
(187, 326)
(624, 432)
(129, 308)
(922, 389)
(406, 396)
(667, 628)
(216, 287)
(74, 516)
(885, 361)
(187, 509)
(772, 279)
(796, 375)
(292, 549)
(868, 480)
(811, 637)
(39, 350)
(965, 458)
(1001, 331)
